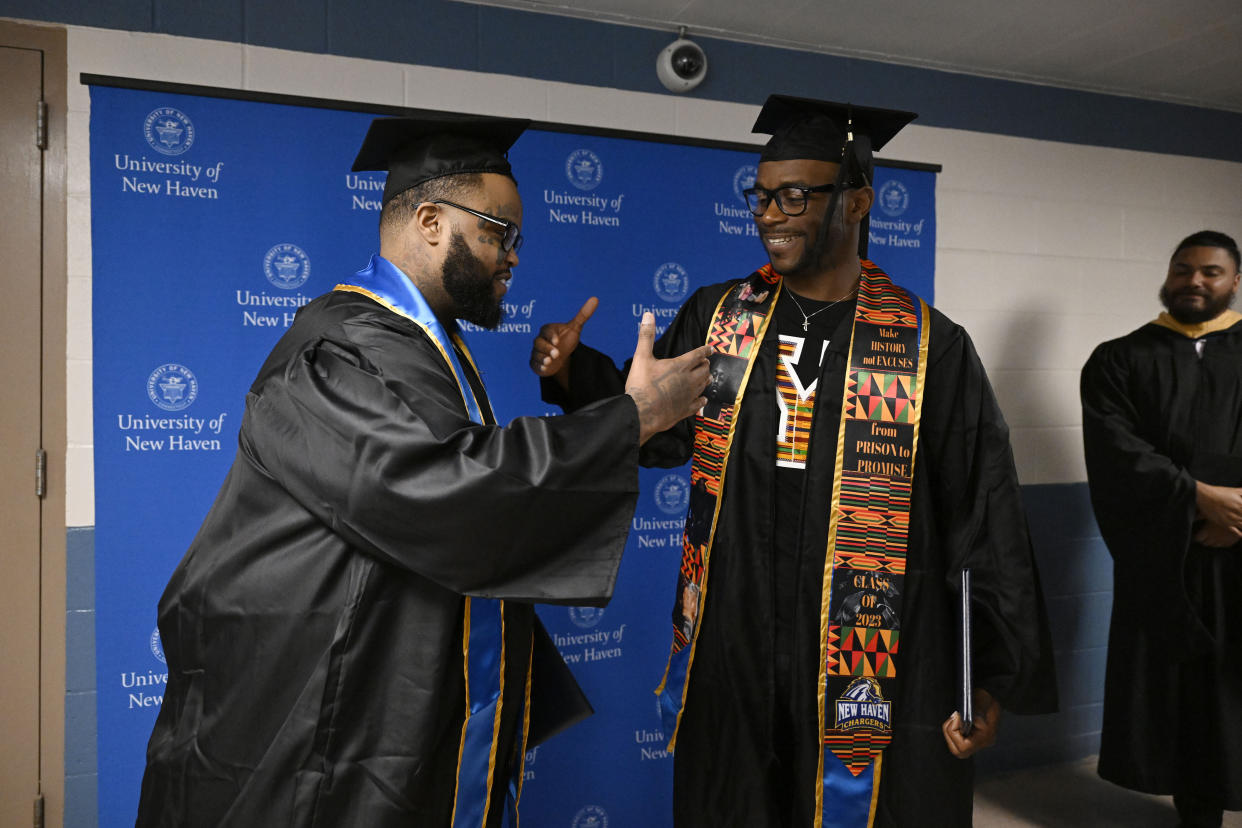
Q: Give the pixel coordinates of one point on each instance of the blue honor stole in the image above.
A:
(483, 641)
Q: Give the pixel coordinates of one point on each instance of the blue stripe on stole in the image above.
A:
(386, 281)
(847, 798)
(484, 636)
(484, 682)
(671, 693)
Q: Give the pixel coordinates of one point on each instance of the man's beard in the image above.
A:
(1193, 316)
(814, 252)
(472, 290)
(815, 255)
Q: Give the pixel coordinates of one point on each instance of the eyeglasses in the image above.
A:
(790, 200)
(512, 239)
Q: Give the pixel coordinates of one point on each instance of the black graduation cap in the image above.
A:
(825, 131)
(414, 150)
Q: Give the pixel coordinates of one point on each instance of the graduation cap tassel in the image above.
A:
(854, 163)
(864, 229)
(834, 201)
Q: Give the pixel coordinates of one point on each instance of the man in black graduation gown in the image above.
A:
(1161, 408)
(747, 746)
(377, 524)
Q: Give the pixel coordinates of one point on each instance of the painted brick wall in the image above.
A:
(81, 764)
(1077, 579)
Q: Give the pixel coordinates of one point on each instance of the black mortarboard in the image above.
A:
(824, 131)
(414, 150)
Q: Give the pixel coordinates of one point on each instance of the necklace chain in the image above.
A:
(806, 317)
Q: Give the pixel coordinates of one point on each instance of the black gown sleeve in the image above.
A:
(1144, 500)
(982, 525)
(367, 431)
(1135, 489)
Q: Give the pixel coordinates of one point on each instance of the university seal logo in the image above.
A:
(671, 282)
(157, 646)
(584, 169)
(286, 266)
(592, 816)
(169, 131)
(172, 387)
(894, 198)
(672, 494)
(585, 616)
(744, 179)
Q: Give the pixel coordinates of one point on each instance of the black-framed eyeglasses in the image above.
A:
(790, 200)
(512, 239)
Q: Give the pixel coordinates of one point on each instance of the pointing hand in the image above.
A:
(549, 354)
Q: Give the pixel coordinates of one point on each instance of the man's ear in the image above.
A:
(429, 223)
(858, 204)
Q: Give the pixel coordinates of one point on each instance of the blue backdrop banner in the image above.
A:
(214, 219)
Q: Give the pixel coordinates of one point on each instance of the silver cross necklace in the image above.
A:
(806, 317)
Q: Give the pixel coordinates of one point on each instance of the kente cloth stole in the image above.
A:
(483, 640)
(868, 532)
(737, 329)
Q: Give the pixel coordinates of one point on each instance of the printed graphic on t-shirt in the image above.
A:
(795, 401)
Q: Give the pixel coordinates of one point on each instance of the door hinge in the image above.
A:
(40, 473)
(41, 126)
(38, 812)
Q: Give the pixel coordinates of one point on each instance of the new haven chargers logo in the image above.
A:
(592, 816)
(286, 266)
(862, 707)
(744, 179)
(671, 282)
(169, 131)
(894, 198)
(586, 616)
(584, 169)
(157, 646)
(672, 495)
(172, 387)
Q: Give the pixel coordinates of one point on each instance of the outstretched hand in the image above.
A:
(549, 354)
(666, 391)
(986, 722)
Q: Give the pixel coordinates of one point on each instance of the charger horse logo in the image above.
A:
(863, 690)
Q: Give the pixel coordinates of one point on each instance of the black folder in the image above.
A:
(964, 683)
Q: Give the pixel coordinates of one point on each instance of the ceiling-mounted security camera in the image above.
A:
(681, 65)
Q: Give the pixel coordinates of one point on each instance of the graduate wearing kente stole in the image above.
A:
(851, 461)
